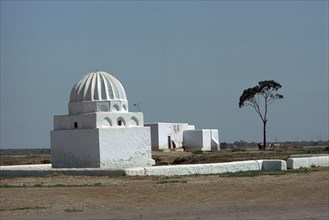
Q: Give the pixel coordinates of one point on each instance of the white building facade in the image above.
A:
(99, 131)
(176, 136)
(165, 135)
(203, 139)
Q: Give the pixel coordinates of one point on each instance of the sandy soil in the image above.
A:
(289, 196)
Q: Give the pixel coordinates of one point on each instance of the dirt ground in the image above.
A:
(303, 195)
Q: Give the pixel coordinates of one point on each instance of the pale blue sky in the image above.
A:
(186, 61)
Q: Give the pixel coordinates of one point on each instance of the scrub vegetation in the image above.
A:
(235, 152)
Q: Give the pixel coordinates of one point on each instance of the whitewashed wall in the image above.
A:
(204, 139)
(161, 131)
(112, 148)
(125, 147)
(154, 135)
(215, 141)
(75, 148)
(98, 120)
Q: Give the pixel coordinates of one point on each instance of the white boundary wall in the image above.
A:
(210, 168)
(172, 170)
(193, 169)
(307, 162)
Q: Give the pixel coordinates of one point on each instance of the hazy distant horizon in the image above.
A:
(230, 143)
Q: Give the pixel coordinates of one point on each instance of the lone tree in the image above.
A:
(263, 94)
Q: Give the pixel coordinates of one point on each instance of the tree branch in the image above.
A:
(257, 109)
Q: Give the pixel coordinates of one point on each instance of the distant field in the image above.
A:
(42, 156)
(15, 152)
(24, 156)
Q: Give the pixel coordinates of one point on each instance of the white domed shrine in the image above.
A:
(99, 131)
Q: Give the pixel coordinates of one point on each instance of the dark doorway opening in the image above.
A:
(169, 142)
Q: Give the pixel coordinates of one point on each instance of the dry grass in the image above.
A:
(253, 196)
(177, 157)
(229, 155)
(25, 159)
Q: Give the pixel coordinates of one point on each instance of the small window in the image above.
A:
(121, 122)
(75, 124)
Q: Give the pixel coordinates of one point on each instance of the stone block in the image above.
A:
(274, 165)
(307, 162)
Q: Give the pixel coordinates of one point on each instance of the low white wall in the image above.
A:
(192, 169)
(26, 167)
(172, 170)
(307, 162)
(307, 155)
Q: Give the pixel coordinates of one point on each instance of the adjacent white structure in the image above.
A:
(206, 139)
(174, 136)
(163, 135)
(99, 131)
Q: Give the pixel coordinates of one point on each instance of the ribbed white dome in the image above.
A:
(97, 86)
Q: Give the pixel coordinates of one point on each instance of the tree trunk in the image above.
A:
(264, 134)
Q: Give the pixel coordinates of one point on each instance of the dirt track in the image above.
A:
(289, 196)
